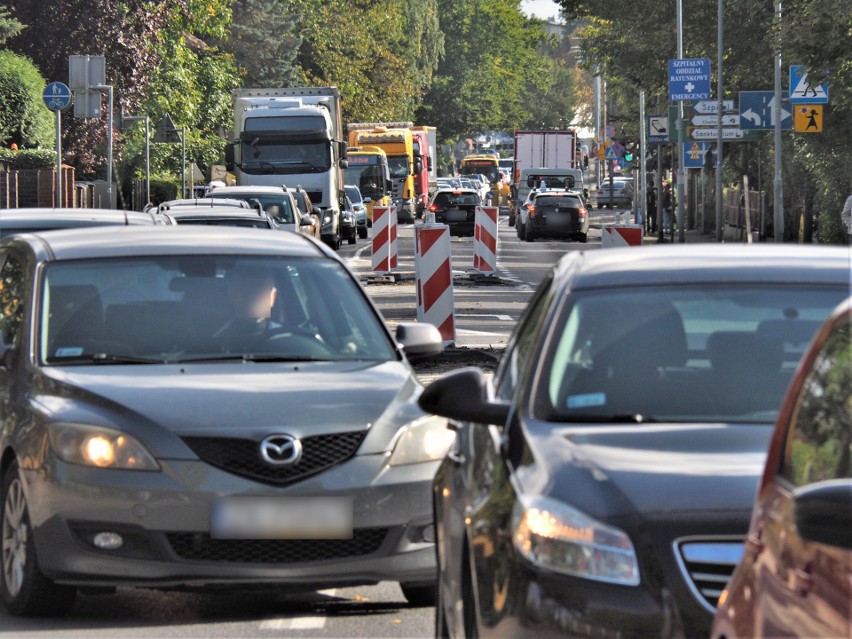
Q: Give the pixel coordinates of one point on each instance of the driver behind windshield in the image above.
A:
(251, 294)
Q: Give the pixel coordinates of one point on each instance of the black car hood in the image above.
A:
(612, 471)
(248, 400)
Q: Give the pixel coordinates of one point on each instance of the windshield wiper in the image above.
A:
(106, 358)
(251, 357)
(621, 418)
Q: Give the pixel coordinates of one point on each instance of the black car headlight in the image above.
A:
(99, 447)
(552, 535)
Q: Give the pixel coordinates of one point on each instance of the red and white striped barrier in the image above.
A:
(394, 251)
(434, 278)
(384, 239)
(617, 235)
(485, 239)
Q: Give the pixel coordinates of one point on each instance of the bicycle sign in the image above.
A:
(57, 96)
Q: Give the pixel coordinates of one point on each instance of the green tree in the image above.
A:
(264, 41)
(24, 119)
(9, 26)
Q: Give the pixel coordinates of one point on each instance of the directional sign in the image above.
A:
(712, 120)
(710, 107)
(802, 91)
(658, 129)
(689, 79)
(757, 110)
(57, 96)
(808, 118)
(694, 154)
(709, 133)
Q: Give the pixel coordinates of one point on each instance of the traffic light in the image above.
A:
(627, 155)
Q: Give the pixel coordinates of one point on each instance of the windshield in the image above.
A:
(261, 156)
(354, 195)
(488, 170)
(679, 354)
(278, 207)
(551, 181)
(399, 166)
(190, 308)
(369, 179)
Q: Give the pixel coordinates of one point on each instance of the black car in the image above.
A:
(457, 209)
(601, 484)
(348, 224)
(560, 214)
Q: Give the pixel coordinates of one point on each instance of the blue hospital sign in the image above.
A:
(689, 79)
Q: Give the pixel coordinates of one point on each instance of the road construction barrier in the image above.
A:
(615, 235)
(384, 240)
(485, 239)
(394, 250)
(434, 278)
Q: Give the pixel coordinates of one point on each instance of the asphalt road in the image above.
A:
(486, 312)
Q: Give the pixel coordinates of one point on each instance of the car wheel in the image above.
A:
(24, 589)
(419, 595)
(521, 231)
(362, 233)
(600, 205)
(583, 237)
(511, 220)
(529, 232)
(351, 240)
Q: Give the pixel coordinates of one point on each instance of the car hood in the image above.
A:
(250, 400)
(656, 468)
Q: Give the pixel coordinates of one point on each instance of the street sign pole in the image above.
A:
(147, 160)
(681, 172)
(108, 89)
(720, 157)
(58, 158)
(778, 182)
(643, 201)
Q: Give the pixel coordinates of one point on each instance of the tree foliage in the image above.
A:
(24, 119)
(9, 26)
(264, 41)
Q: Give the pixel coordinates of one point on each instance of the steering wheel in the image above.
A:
(299, 342)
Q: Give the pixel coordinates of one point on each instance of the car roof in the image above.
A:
(457, 191)
(270, 190)
(57, 218)
(699, 263)
(218, 212)
(208, 202)
(166, 240)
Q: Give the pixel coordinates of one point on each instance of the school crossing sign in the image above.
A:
(802, 90)
(689, 79)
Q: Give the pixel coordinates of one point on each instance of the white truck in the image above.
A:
(292, 137)
(538, 153)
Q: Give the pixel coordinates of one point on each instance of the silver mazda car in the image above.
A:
(205, 407)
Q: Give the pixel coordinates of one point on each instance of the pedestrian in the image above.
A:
(667, 209)
(651, 208)
(846, 218)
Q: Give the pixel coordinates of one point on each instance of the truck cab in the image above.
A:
(368, 170)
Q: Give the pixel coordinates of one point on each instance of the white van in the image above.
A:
(562, 179)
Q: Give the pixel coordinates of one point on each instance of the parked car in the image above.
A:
(205, 407)
(276, 201)
(619, 196)
(795, 576)
(254, 218)
(306, 207)
(348, 226)
(206, 202)
(32, 220)
(560, 214)
(601, 483)
(456, 208)
(360, 209)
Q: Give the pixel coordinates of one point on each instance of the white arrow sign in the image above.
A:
(784, 114)
(709, 107)
(713, 120)
(710, 134)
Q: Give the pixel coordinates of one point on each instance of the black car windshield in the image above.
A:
(399, 166)
(451, 198)
(708, 353)
(261, 156)
(201, 307)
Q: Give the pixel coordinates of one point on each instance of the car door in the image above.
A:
(803, 588)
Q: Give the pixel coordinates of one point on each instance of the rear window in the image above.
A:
(456, 199)
(551, 181)
(549, 200)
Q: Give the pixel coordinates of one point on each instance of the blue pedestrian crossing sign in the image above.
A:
(801, 89)
(57, 96)
(610, 154)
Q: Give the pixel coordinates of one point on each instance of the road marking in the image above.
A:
(293, 623)
(502, 318)
(462, 331)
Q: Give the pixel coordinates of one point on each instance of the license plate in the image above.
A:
(456, 215)
(281, 518)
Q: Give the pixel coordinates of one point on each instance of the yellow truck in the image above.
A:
(368, 170)
(395, 139)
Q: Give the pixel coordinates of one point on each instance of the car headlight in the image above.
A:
(327, 219)
(557, 537)
(347, 217)
(99, 447)
(423, 440)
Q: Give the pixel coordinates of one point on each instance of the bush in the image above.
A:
(23, 117)
(28, 158)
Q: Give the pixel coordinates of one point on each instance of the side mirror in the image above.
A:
(306, 220)
(367, 200)
(823, 514)
(229, 157)
(317, 211)
(463, 396)
(419, 338)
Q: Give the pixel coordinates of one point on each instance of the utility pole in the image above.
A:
(778, 182)
(681, 133)
(720, 164)
(643, 198)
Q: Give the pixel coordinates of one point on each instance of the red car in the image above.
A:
(795, 576)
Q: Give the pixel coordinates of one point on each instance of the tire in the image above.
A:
(24, 589)
(511, 220)
(420, 596)
(600, 205)
(583, 237)
(522, 235)
(529, 231)
(362, 233)
(351, 240)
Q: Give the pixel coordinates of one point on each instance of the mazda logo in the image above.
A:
(281, 450)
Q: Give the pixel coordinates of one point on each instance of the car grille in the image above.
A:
(707, 566)
(200, 547)
(242, 456)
